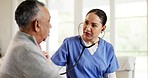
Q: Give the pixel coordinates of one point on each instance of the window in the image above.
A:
(127, 30)
(131, 25)
(131, 32)
(62, 21)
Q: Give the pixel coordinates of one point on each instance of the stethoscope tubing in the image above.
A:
(79, 56)
(81, 51)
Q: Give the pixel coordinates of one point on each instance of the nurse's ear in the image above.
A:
(103, 28)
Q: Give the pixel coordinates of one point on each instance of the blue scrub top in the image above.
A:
(103, 61)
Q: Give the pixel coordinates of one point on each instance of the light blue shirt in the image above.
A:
(103, 61)
(24, 59)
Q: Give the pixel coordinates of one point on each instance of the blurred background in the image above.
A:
(127, 26)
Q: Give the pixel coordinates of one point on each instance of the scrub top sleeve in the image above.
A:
(113, 65)
(60, 56)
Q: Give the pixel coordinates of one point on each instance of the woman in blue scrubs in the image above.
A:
(97, 61)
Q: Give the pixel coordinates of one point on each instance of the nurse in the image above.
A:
(97, 61)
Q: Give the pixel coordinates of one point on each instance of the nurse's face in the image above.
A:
(92, 27)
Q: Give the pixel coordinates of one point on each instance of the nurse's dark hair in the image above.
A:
(26, 12)
(100, 13)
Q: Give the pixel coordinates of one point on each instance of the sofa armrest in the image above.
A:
(127, 66)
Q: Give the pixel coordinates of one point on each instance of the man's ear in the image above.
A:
(36, 26)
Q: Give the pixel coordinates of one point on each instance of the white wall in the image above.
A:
(5, 24)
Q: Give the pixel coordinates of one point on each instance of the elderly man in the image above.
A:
(24, 58)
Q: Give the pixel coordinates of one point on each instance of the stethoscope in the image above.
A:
(84, 47)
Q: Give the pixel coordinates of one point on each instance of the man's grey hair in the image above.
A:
(26, 12)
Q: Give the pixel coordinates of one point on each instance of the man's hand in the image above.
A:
(46, 54)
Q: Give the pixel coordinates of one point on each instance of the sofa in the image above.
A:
(127, 67)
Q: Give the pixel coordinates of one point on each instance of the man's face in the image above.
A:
(45, 23)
